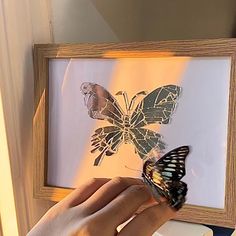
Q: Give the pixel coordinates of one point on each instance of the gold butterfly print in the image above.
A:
(128, 127)
(164, 176)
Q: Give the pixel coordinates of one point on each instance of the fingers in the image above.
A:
(108, 192)
(82, 193)
(148, 221)
(125, 204)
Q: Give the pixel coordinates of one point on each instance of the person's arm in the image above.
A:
(100, 206)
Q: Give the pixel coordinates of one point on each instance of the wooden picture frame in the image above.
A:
(192, 48)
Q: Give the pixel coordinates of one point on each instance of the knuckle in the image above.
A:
(126, 181)
(141, 191)
(120, 181)
(93, 180)
(80, 211)
(89, 227)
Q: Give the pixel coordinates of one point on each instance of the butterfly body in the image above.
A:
(128, 127)
(164, 176)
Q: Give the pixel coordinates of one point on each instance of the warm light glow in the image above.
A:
(132, 75)
(137, 54)
(7, 203)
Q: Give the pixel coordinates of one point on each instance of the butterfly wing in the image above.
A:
(146, 141)
(106, 140)
(164, 176)
(172, 164)
(101, 104)
(156, 107)
(177, 191)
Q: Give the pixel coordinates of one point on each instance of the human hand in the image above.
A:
(100, 206)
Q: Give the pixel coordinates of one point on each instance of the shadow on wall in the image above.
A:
(233, 34)
(138, 20)
(161, 20)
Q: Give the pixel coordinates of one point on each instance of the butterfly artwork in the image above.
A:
(129, 127)
(164, 176)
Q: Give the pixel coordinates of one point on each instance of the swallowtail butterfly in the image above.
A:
(164, 176)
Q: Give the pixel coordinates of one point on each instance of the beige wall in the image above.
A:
(139, 20)
(22, 23)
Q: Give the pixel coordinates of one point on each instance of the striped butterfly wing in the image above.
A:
(146, 142)
(164, 176)
(172, 164)
(102, 105)
(106, 140)
(156, 107)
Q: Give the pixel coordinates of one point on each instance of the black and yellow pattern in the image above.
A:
(164, 175)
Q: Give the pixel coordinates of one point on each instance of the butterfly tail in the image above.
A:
(177, 191)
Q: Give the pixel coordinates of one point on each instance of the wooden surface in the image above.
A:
(212, 47)
(194, 48)
(22, 23)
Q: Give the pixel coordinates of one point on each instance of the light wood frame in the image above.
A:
(193, 48)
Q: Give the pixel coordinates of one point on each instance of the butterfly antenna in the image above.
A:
(132, 169)
(134, 99)
(124, 94)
